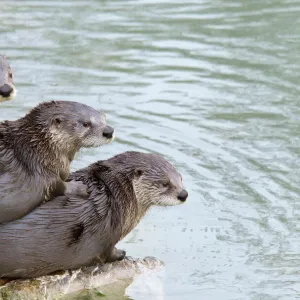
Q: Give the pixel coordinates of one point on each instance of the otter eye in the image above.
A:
(86, 124)
(57, 120)
(166, 183)
(138, 173)
(10, 75)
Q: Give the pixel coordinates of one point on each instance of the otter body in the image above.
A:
(7, 88)
(71, 231)
(36, 152)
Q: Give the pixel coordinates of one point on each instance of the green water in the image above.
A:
(212, 85)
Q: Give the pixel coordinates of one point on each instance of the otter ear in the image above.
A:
(56, 121)
(138, 173)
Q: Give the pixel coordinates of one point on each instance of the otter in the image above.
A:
(7, 88)
(36, 152)
(70, 232)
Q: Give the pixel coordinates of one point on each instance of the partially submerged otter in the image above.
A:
(70, 231)
(7, 88)
(36, 152)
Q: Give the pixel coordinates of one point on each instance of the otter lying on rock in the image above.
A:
(36, 152)
(71, 231)
(7, 88)
(85, 283)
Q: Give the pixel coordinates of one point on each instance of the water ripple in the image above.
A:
(213, 86)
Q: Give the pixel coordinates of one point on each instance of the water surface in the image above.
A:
(211, 85)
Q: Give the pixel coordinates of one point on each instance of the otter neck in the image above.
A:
(143, 202)
(141, 206)
(33, 144)
(124, 212)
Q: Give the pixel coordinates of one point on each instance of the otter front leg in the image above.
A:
(60, 188)
(76, 188)
(115, 254)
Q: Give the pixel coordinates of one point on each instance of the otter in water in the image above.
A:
(36, 152)
(7, 88)
(70, 231)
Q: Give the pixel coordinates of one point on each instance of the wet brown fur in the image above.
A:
(36, 152)
(70, 231)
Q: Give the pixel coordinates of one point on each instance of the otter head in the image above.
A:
(155, 181)
(136, 181)
(71, 125)
(7, 88)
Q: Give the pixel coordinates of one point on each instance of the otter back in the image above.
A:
(72, 231)
(36, 152)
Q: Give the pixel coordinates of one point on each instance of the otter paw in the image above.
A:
(120, 254)
(116, 255)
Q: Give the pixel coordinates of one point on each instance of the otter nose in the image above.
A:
(108, 132)
(183, 195)
(5, 90)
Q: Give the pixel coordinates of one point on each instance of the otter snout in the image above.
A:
(183, 195)
(5, 90)
(108, 132)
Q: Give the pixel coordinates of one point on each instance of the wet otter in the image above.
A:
(70, 231)
(7, 88)
(36, 152)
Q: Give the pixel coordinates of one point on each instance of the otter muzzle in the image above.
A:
(183, 195)
(5, 90)
(108, 132)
